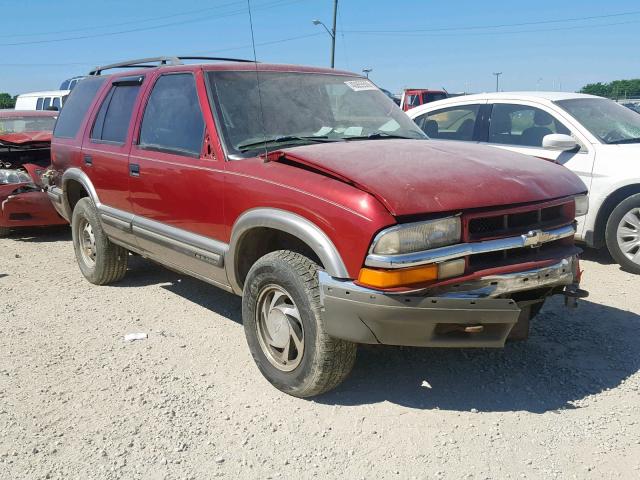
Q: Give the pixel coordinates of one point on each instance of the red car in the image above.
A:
(414, 97)
(311, 194)
(25, 141)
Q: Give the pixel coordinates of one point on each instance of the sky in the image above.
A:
(542, 45)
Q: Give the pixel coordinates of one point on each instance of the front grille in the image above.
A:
(516, 255)
(505, 224)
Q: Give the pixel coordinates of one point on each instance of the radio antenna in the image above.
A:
(255, 60)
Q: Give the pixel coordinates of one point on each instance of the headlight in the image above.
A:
(416, 237)
(582, 205)
(8, 176)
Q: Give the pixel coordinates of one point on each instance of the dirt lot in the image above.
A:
(188, 402)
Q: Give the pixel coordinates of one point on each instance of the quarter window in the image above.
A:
(114, 116)
(453, 123)
(76, 106)
(522, 125)
(173, 119)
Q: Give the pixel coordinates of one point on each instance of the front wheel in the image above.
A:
(100, 261)
(284, 329)
(623, 234)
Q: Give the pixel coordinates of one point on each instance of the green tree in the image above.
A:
(7, 101)
(616, 89)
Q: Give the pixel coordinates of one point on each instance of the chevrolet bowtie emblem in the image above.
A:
(533, 238)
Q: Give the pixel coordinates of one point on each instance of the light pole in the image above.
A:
(367, 71)
(332, 32)
(497, 74)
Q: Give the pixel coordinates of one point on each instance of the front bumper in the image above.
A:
(465, 315)
(28, 209)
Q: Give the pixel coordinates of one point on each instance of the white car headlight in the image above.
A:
(416, 237)
(582, 205)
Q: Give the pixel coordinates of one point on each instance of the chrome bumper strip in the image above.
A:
(533, 238)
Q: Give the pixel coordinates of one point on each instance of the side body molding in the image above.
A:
(292, 224)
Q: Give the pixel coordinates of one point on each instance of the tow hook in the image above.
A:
(572, 293)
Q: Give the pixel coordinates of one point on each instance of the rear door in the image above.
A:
(177, 182)
(105, 153)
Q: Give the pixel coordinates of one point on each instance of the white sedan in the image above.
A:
(594, 137)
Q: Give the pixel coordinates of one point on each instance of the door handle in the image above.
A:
(88, 161)
(134, 169)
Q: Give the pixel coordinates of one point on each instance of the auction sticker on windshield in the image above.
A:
(360, 85)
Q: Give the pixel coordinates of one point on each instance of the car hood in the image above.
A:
(23, 138)
(428, 176)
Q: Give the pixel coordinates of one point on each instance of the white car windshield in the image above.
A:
(302, 108)
(610, 122)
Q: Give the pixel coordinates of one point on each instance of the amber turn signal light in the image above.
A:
(399, 277)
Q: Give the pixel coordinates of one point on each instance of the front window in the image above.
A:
(302, 108)
(522, 125)
(608, 121)
(27, 124)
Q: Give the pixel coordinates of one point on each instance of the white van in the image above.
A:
(42, 100)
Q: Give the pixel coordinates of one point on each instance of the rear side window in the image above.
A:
(56, 102)
(114, 116)
(47, 103)
(39, 103)
(172, 119)
(453, 123)
(76, 106)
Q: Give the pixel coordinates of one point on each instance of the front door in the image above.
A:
(521, 127)
(177, 182)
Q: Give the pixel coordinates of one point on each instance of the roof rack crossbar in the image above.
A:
(158, 61)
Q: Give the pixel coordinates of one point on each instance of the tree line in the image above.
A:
(7, 101)
(616, 90)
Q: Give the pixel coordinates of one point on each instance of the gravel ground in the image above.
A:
(188, 402)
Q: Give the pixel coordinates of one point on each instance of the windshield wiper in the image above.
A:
(625, 140)
(244, 147)
(381, 135)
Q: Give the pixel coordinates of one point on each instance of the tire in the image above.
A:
(100, 261)
(4, 232)
(281, 310)
(623, 234)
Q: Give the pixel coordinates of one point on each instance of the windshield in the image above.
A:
(303, 108)
(27, 124)
(610, 122)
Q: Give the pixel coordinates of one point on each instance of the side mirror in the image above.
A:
(559, 142)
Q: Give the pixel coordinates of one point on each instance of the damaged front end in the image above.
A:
(23, 201)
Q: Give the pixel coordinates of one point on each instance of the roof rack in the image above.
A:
(159, 61)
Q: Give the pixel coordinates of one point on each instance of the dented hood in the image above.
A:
(24, 138)
(427, 176)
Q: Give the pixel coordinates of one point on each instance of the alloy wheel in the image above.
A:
(628, 235)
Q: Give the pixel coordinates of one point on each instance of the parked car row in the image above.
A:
(596, 138)
(339, 220)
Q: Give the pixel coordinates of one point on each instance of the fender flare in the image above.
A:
(288, 222)
(79, 176)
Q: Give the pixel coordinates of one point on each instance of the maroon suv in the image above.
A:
(311, 194)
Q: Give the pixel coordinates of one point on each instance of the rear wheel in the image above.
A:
(623, 234)
(284, 329)
(100, 261)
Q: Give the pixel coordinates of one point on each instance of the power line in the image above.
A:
(504, 25)
(202, 52)
(514, 32)
(154, 27)
(120, 24)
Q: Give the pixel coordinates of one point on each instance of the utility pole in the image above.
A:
(497, 74)
(332, 32)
